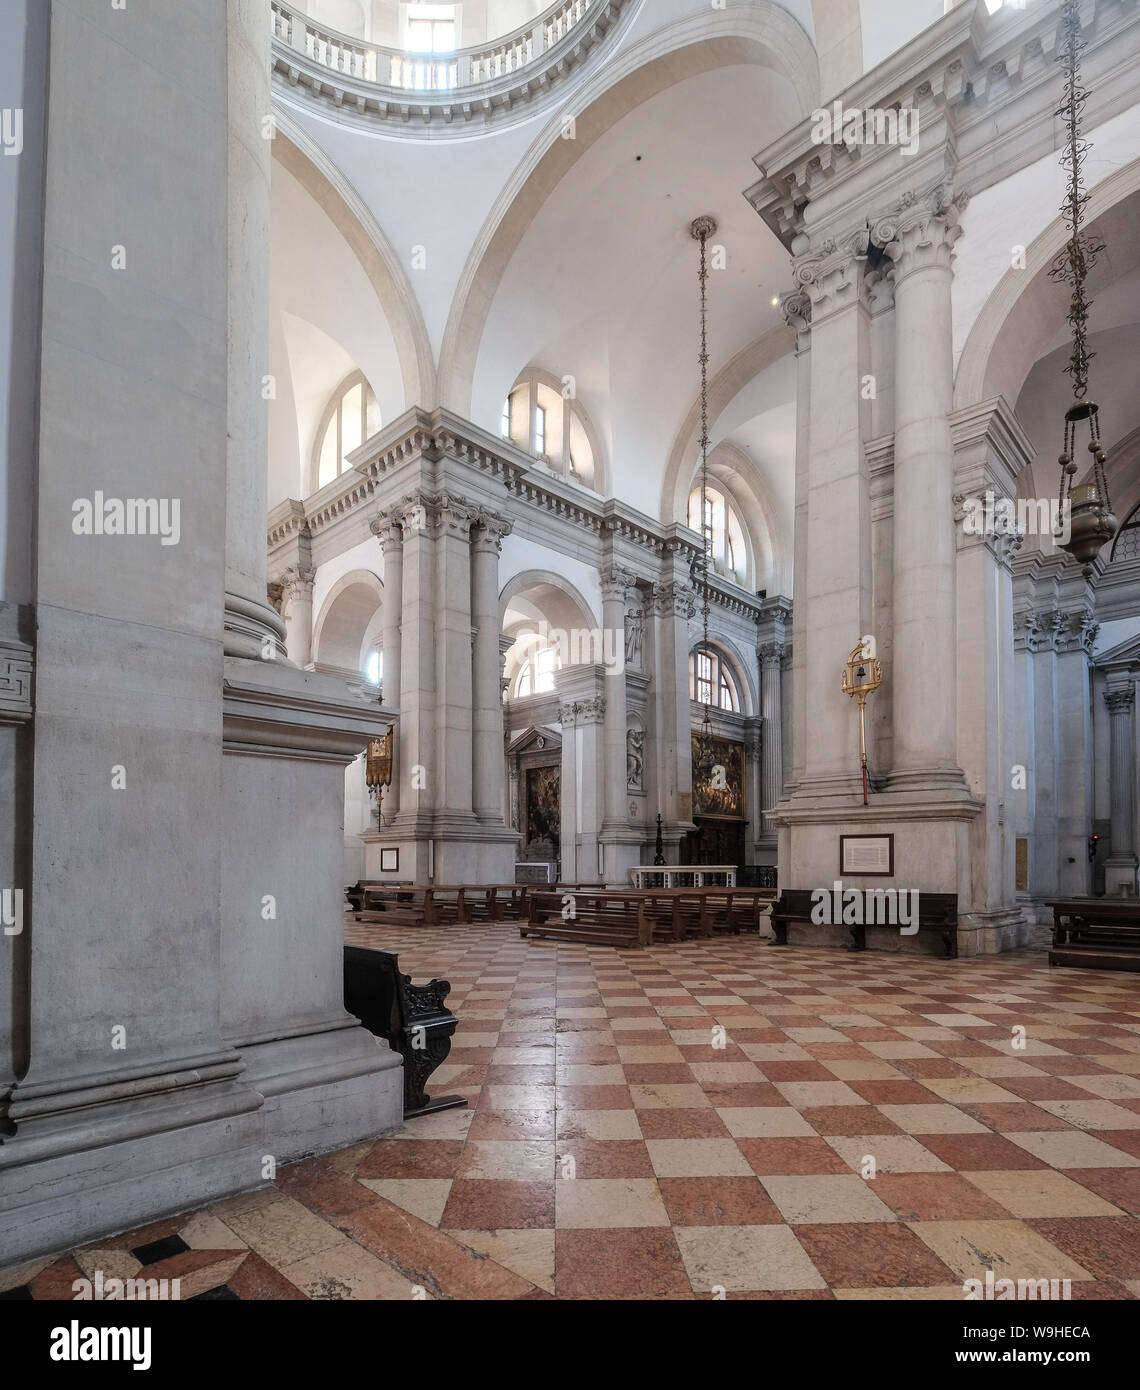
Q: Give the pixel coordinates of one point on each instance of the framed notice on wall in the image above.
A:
(389, 861)
(872, 855)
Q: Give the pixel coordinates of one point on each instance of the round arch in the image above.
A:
(538, 578)
(346, 615)
(761, 33)
(297, 153)
(1010, 332)
(733, 657)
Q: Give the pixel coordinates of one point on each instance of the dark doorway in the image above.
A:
(714, 842)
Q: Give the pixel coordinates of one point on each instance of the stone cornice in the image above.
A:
(369, 492)
(985, 89)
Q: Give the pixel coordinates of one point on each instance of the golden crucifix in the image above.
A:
(862, 676)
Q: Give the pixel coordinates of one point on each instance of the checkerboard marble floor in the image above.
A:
(720, 1118)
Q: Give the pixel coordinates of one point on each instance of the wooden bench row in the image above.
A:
(390, 904)
(640, 918)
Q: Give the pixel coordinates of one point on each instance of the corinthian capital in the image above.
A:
(617, 582)
(674, 600)
(297, 583)
(1121, 699)
(490, 531)
(925, 231)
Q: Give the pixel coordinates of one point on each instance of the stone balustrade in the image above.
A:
(467, 84)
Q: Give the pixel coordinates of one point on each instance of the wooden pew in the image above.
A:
(413, 905)
(937, 915)
(354, 892)
(412, 1019)
(600, 918)
(1096, 933)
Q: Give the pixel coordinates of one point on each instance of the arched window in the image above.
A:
(550, 424)
(537, 674)
(374, 668)
(351, 417)
(1127, 543)
(722, 520)
(711, 682)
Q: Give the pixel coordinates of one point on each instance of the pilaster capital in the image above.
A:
(567, 714)
(297, 583)
(925, 230)
(795, 305)
(1036, 631)
(771, 655)
(1120, 699)
(1076, 631)
(386, 527)
(490, 531)
(833, 273)
(674, 599)
(617, 582)
(592, 711)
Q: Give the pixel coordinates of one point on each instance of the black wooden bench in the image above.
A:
(1101, 933)
(937, 915)
(412, 1019)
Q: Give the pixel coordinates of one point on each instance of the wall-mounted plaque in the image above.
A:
(390, 861)
(871, 855)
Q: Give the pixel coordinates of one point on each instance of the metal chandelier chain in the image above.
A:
(1072, 265)
(702, 228)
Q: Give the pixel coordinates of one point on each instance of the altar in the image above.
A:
(684, 876)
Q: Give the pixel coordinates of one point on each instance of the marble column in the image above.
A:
(297, 589)
(391, 538)
(616, 584)
(572, 871)
(991, 450)
(771, 655)
(418, 681)
(797, 312)
(1076, 632)
(833, 611)
(252, 628)
(674, 606)
(923, 661)
(487, 749)
(1120, 867)
(452, 629)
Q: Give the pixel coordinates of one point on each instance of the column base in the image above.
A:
(324, 1091)
(253, 630)
(991, 933)
(73, 1176)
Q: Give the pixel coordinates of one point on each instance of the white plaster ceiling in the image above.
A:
(325, 319)
(603, 285)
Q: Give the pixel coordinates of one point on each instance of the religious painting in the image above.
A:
(718, 778)
(543, 814)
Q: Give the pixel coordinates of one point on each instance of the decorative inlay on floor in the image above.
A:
(715, 1119)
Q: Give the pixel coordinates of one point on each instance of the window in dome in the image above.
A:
(352, 416)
